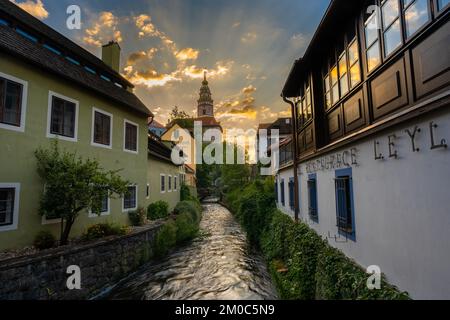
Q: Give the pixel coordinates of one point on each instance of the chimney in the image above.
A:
(111, 55)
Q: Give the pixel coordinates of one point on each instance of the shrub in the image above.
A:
(44, 240)
(185, 193)
(187, 227)
(193, 208)
(158, 210)
(166, 239)
(138, 218)
(101, 230)
(302, 264)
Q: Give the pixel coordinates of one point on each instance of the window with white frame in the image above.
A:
(130, 199)
(163, 183)
(101, 128)
(392, 34)
(9, 206)
(442, 4)
(131, 136)
(104, 209)
(373, 52)
(13, 97)
(175, 183)
(169, 183)
(148, 191)
(62, 117)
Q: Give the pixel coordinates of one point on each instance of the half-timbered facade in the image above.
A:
(371, 100)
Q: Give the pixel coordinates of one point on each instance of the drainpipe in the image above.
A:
(294, 141)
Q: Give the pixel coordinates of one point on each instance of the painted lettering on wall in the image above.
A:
(344, 159)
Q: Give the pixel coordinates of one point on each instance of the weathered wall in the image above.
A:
(156, 168)
(43, 276)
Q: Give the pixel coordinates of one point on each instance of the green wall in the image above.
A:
(155, 169)
(18, 164)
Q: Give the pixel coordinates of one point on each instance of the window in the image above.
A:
(175, 183)
(307, 101)
(104, 210)
(392, 35)
(130, 199)
(291, 194)
(312, 197)
(327, 87)
(442, 4)
(334, 85)
(283, 200)
(163, 183)
(353, 61)
(13, 94)
(131, 137)
(344, 203)
(416, 15)
(9, 206)
(343, 74)
(148, 191)
(63, 117)
(6, 206)
(276, 191)
(169, 183)
(101, 128)
(372, 42)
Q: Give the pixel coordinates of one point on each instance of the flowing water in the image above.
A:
(219, 265)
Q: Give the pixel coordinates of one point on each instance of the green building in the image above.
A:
(163, 176)
(52, 88)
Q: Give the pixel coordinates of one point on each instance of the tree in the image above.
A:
(176, 114)
(73, 185)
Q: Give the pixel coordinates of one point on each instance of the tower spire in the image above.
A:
(205, 103)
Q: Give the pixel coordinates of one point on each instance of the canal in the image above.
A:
(219, 265)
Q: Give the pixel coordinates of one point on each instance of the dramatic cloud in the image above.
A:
(134, 57)
(249, 37)
(187, 54)
(222, 68)
(35, 8)
(249, 90)
(151, 78)
(145, 25)
(104, 29)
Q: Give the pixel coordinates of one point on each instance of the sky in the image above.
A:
(246, 46)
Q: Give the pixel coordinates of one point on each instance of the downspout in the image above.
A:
(294, 140)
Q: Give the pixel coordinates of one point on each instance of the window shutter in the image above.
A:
(343, 206)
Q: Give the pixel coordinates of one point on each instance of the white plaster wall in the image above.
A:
(402, 208)
(286, 175)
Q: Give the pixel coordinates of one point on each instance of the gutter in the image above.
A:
(296, 154)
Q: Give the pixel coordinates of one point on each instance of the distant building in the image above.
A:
(205, 108)
(156, 128)
(373, 128)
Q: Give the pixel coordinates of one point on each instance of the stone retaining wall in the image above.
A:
(44, 276)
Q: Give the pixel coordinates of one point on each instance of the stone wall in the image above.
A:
(44, 276)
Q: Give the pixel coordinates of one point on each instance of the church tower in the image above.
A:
(205, 103)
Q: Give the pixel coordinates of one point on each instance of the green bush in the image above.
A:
(158, 210)
(138, 218)
(101, 230)
(187, 227)
(193, 208)
(302, 264)
(44, 240)
(185, 193)
(166, 239)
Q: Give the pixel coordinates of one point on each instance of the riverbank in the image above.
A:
(303, 265)
(218, 265)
